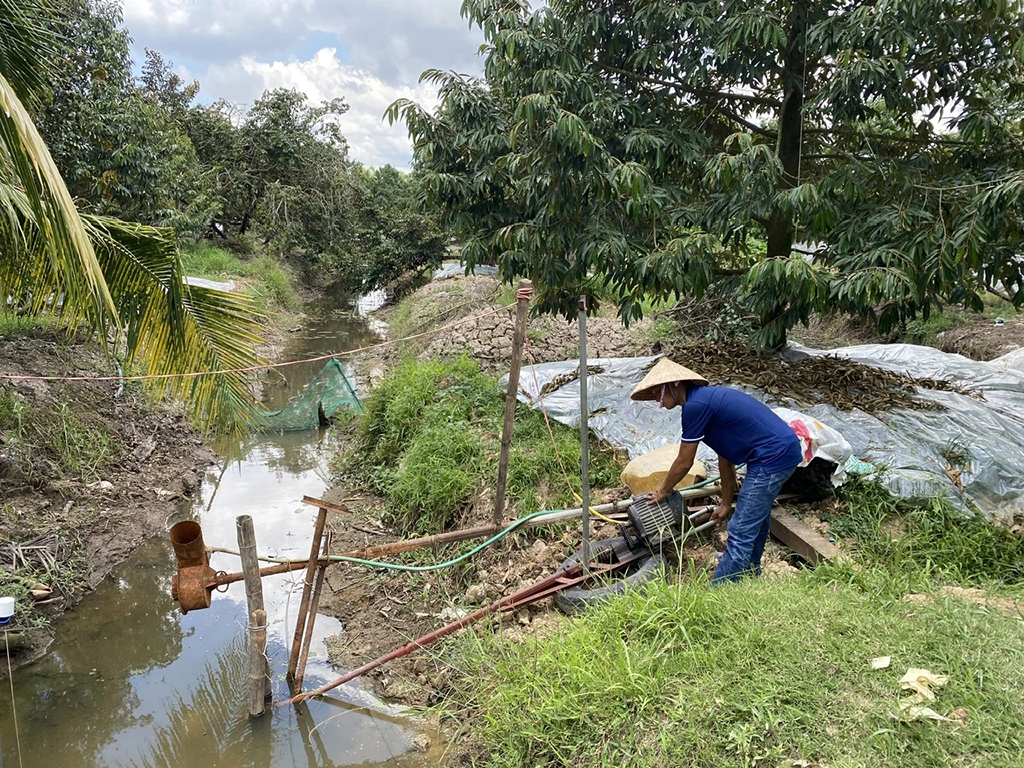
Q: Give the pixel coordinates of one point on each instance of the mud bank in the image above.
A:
(88, 471)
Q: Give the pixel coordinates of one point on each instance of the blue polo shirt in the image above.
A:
(740, 428)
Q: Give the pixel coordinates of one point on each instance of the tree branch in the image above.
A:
(750, 98)
(746, 123)
(922, 140)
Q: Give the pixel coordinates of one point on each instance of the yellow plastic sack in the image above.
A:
(645, 474)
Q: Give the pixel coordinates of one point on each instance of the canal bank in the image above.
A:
(129, 681)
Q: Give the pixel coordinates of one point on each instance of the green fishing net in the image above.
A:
(329, 392)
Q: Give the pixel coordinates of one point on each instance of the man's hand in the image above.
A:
(722, 514)
(656, 496)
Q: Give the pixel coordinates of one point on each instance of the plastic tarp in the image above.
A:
(330, 391)
(457, 269)
(987, 422)
(202, 282)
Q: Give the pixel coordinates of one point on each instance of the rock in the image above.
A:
(452, 614)
(540, 552)
(189, 482)
(476, 594)
(420, 666)
(780, 569)
(422, 742)
(101, 486)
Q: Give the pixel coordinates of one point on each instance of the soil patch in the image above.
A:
(982, 339)
(488, 339)
(89, 471)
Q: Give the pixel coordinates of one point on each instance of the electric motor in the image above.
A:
(658, 523)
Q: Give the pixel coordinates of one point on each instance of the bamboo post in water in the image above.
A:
(260, 671)
(584, 433)
(258, 678)
(307, 586)
(314, 604)
(518, 342)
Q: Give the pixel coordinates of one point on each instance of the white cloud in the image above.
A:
(370, 52)
(371, 140)
(394, 39)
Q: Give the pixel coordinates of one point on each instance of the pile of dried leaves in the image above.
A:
(842, 383)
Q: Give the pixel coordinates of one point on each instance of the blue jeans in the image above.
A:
(748, 527)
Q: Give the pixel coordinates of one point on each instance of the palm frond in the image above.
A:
(70, 278)
(29, 44)
(172, 328)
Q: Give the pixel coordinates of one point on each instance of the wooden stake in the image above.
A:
(584, 434)
(518, 342)
(253, 589)
(258, 679)
(307, 586)
(314, 603)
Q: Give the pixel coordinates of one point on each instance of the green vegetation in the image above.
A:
(662, 149)
(55, 442)
(916, 544)
(12, 324)
(771, 672)
(764, 673)
(430, 438)
(266, 279)
(121, 279)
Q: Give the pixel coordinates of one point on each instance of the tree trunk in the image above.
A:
(781, 231)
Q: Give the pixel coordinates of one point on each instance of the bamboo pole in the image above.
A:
(259, 681)
(518, 342)
(307, 585)
(260, 672)
(314, 603)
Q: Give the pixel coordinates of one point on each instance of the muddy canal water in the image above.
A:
(129, 681)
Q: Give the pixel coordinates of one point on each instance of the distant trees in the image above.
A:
(121, 279)
(665, 147)
(275, 175)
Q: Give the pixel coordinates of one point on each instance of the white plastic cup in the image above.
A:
(6, 609)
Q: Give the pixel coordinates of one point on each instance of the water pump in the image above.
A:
(657, 524)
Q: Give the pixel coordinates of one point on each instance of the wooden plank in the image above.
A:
(802, 539)
(321, 504)
(307, 588)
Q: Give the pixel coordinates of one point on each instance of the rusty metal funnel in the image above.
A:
(193, 584)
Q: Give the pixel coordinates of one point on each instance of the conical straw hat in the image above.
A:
(665, 372)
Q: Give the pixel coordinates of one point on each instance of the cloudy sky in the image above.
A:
(370, 52)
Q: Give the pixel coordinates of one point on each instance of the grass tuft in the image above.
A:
(265, 277)
(53, 440)
(429, 441)
(915, 543)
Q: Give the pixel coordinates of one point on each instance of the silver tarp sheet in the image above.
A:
(987, 421)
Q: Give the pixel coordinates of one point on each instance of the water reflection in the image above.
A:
(131, 682)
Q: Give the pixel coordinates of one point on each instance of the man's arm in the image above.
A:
(727, 471)
(679, 469)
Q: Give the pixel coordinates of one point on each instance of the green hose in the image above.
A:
(461, 558)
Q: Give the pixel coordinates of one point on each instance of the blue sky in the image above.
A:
(369, 53)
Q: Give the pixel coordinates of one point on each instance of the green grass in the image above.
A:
(21, 325)
(921, 331)
(265, 278)
(430, 440)
(914, 544)
(927, 332)
(770, 672)
(763, 673)
(53, 441)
